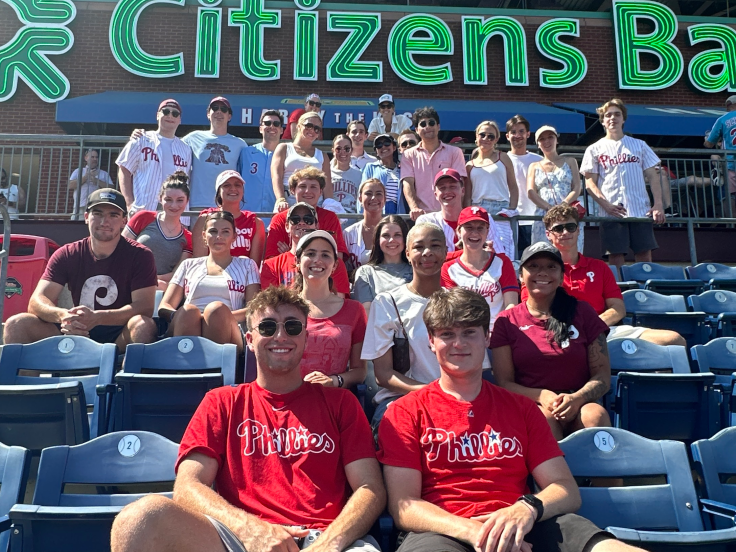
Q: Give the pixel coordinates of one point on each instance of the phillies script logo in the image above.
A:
(284, 442)
(179, 161)
(471, 447)
(489, 289)
(232, 285)
(148, 152)
(608, 161)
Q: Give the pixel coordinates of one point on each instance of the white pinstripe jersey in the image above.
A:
(239, 274)
(142, 157)
(620, 166)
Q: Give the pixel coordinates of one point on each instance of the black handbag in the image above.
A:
(400, 351)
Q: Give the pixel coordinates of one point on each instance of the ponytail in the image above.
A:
(561, 313)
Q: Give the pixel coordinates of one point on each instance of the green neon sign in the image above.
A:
(476, 34)
(701, 69)
(573, 61)
(630, 45)
(362, 29)
(44, 12)
(306, 43)
(420, 34)
(209, 23)
(253, 19)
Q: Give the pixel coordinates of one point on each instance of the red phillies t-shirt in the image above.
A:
(327, 220)
(245, 228)
(330, 340)
(281, 271)
(102, 284)
(474, 457)
(281, 457)
(539, 363)
(293, 118)
(590, 280)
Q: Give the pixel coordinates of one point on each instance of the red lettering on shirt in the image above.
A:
(149, 152)
(179, 161)
(284, 442)
(620, 158)
(232, 285)
(470, 447)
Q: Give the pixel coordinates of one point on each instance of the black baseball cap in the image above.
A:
(542, 249)
(108, 196)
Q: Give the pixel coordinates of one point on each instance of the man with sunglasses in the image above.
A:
(591, 280)
(281, 270)
(151, 157)
(357, 131)
(387, 121)
(420, 164)
(289, 459)
(312, 103)
(255, 164)
(407, 139)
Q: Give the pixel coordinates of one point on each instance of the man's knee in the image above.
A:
(140, 519)
(663, 337)
(26, 328)
(142, 329)
(594, 415)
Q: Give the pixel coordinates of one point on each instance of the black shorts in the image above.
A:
(566, 533)
(618, 237)
(103, 334)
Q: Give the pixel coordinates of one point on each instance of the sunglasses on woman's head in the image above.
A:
(173, 112)
(312, 126)
(268, 328)
(429, 122)
(559, 228)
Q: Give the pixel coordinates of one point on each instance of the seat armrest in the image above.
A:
(5, 523)
(720, 509)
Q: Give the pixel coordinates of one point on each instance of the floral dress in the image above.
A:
(553, 187)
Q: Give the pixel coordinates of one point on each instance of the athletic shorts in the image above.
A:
(232, 543)
(629, 332)
(619, 237)
(566, 533)
(103, 334)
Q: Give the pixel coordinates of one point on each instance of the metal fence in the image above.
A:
(41, 166)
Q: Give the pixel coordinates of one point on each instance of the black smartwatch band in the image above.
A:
(534, 502)
(340, 381)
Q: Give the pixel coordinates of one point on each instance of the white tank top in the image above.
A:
(489, 182)
(294, 162)
(211, 288)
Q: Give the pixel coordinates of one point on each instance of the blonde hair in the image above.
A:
(370, 181)
(309, 115)
(488, 123)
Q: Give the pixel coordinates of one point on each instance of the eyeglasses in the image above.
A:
(311, 126)
(223, 108)
(346, 149)
(430, 122)
(307, 219)
(268, 328)
(173, 112)
(315, 104)
(276, 124)
(408, 144)
(385, 106)
(382, 144)
(483, 136)
(559, 228)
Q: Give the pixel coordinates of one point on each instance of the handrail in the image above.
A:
(4, 255)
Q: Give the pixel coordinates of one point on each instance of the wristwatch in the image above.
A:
(340, 381)
(535, 503)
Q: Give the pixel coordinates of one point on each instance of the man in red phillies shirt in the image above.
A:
(591, 280)
(457, 454)
(281, 270)
(284, 454)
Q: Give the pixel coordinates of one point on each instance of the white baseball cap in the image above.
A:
(541, 130)
(731, 100)
(386, 98)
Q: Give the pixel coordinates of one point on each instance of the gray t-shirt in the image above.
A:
(371, 280)
(144, 226)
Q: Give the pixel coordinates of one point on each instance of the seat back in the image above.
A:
(713, 302)
(61, 359)
(179, 355)
(14, 464)
(709, 271)
(715, 461)
(647, 301)
(615, 453)
(641, 272)
(637, 355)
(685, 407)
(717, 356)
(115, 459)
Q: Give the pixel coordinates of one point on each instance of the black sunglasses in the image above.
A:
(267, 328)
(315, 104)
(312, 126)
(408, 144)
(484, 135)
(307, 219)
(223, 108)
(559, 228)
(173, 112)
(385, 105)
(276, 124)
(382, 144)
(430, 122)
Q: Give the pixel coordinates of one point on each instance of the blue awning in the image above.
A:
(140, 108)
(661, 120)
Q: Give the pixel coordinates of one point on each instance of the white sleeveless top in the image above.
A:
(294, 162)
(489, 182)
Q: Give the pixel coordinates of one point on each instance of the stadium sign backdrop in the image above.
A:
(45, 33)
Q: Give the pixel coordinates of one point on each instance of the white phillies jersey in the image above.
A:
(620, 166)
(451, 237)
(496, 278)
(143, 158)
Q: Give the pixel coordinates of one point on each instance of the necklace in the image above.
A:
(543, 313)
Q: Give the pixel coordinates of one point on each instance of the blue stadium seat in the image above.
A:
(162, 384)
(666, 312)
(667, 280)
(716, 276)
(658, 516)
(719, 357)
(685, 407)
(715, 462)
(623, 286)
(38, 412)
(720, 306)
(14, 464)
(80, 489)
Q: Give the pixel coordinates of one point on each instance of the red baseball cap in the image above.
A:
(448, 173)
(220, 99)
(169, 103)
(469, 214)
